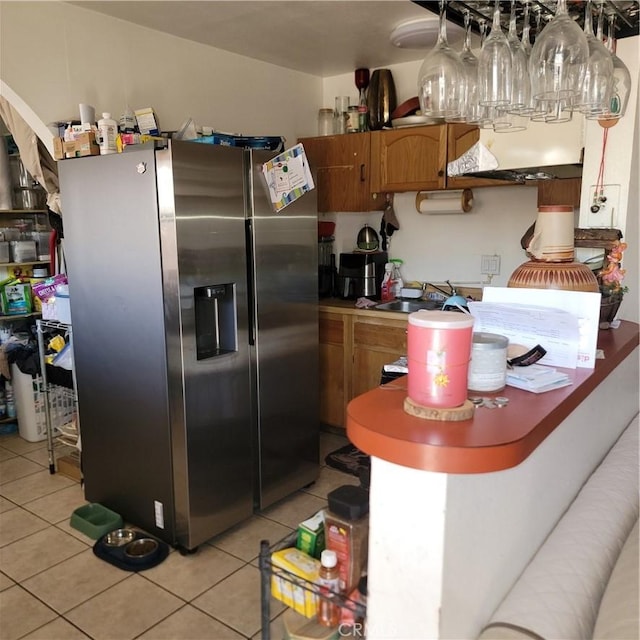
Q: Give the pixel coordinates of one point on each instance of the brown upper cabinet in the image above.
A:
(342, 168)
(409, 159)
(352, 169)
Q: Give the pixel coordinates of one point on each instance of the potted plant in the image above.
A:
(610, 280)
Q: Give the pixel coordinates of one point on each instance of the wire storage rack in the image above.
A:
(268, 570)
(57, 397)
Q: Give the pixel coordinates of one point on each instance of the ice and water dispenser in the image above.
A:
(216, 327)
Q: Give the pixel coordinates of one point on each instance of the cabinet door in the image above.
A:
(556, 191)
(341, 165)
(333, 391)
(409, 159)
(375, 344)
(460, 138)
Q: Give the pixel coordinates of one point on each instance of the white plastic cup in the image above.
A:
(87, 113)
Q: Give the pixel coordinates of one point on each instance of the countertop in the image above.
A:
(348, 307)
(494, 439)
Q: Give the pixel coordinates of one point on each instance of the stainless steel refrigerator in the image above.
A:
(194, 312)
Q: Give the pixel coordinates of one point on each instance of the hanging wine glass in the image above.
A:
(621, 88)
(486, 114)
(526, 32)
(558, 59)
(494, 66)
(595, 97)
(470, 109)
(538, 111)
(440, 77)
(520, 82)
(512, 117)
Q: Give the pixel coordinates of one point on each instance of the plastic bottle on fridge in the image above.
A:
(107, 132)
(127, 121)
(329, 583)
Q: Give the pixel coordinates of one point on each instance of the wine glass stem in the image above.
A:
(442, 34)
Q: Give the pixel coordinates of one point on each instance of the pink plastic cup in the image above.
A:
(438, 355)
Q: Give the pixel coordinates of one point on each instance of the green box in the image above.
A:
(16, 298)
(311, 535)
(94, 520)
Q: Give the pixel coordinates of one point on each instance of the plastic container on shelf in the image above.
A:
(63, 307)
(28, 405)
(346, 532)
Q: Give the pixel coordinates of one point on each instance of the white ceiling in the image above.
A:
(320, 37)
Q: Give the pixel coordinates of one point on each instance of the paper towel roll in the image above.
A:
(434, 202)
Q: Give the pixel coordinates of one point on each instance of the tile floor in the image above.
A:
(52, 586)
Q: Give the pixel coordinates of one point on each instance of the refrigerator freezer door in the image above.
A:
(167, 437)
(112, 248)
(285, 353)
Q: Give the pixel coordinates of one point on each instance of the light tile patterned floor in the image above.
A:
(52, 586)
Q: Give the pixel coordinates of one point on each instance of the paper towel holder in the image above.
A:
(453, 201)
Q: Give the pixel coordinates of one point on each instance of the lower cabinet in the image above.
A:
(353, 349)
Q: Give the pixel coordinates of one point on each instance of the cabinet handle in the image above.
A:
(440, 173)
(362, 173)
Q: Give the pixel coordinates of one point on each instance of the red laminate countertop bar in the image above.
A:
(494, 439)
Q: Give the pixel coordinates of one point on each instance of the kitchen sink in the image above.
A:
(408, 306)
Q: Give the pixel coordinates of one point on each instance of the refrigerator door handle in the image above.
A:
(250, 282)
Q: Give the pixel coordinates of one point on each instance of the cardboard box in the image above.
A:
(147, 121)
(296, 563)
(84, 145)
(58, 148)
(310, 538)
(70, 466)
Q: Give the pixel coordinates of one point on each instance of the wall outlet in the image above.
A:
(603, 207)
(490, 265)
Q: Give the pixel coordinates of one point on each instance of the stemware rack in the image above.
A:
(627, 13)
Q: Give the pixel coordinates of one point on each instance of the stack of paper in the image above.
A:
(537, 378)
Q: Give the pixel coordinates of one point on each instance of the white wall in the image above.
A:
(55, 55)
(440, 247)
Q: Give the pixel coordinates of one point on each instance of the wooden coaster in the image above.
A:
(451, 414)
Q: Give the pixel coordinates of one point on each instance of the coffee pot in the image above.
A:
(367, 239)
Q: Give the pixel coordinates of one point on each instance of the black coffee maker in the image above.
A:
(360, 274)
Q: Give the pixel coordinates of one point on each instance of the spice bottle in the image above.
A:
(346, 528)
(329, 583)
(353, 119)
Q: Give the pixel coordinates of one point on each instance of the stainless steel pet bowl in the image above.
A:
(141, 549)
(119, 537)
